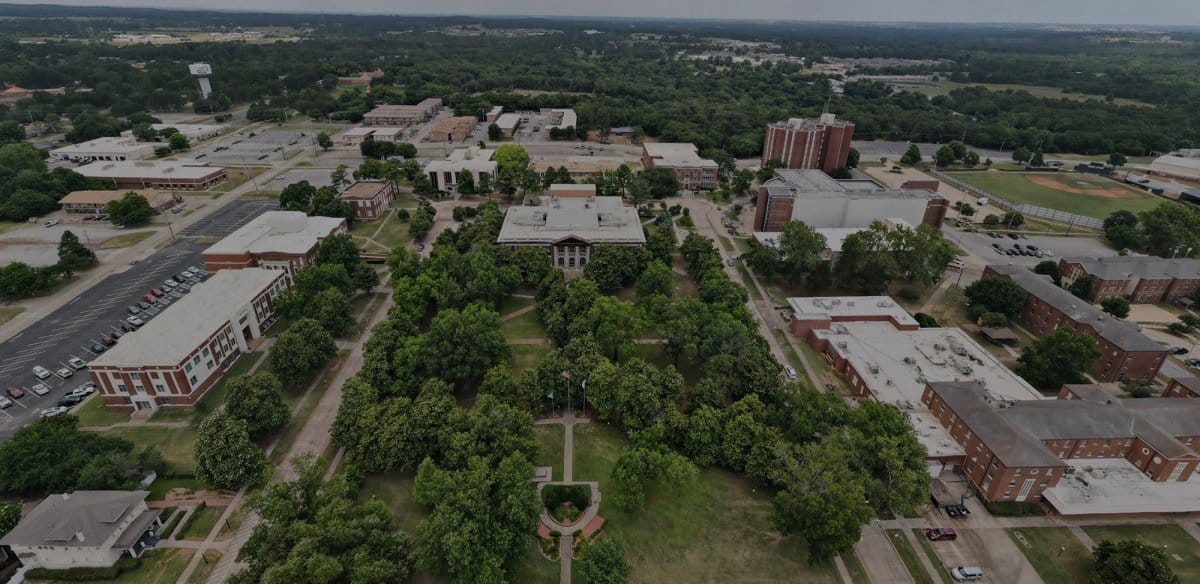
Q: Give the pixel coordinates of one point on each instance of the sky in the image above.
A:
(1121, 12)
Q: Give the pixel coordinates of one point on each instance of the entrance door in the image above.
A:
(1025, 488)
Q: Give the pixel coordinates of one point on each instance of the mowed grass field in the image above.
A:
(1082, 194)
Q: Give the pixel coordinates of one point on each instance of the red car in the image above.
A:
(150, 298)
(158, 292)
(941, 534)
(108, 340)
(15, 392)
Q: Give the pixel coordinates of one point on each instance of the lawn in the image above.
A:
(1099, 198)
(511, 304)
(908, 556)
(215, 395)
(1171, 539)
(943, 87)
(175, 444)
(238, 176)
(161, 486)
(200, 523)
(162, 566)
(205, 567)
(682, 285)
(93, 413)
(395, 489)
(525, 326)
(6, 226)
(526, 357)
(1055, 553)
(716, 529)
(8, 313)
(751, 289)
(550, 453)
(932, 555)
(125, 240)
(534, 568)
(388, 231)
(858, 574)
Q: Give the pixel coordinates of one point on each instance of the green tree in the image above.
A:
(820, 499)
(613, 266)
(604, 562)
(466, 183)
(225, 456)
(800, 248)
(494, 133)
(852, 158)
(298, 195)
(991, 220)
(971, 159)
(332, 309)
(638, 467)
(660, 182)
(1021, 155)
(1171, 230)
(1049, 268)
(1038, 159)
(178, 142)
(1130, 562)
(1013, 219)
(144, 133)
(300, 351)
(131, 209)
(1057, 359)
(340, 249)
(767, 171)
(998, 295)
(324, 141)
(1117, 306)
(993, 319)
(614, 323)
(1083, 287)
(257, 400)
(461, 345)
(944, 156)
(337, 176)
(72, 254)
(911, 156)
(656, 279)
(1117, 159)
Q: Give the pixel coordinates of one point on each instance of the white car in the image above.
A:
(966, 573)
(40, 389)
(52, 223)
(790, 371)
(41, 372)
(83, 390)
(64, 372)
(5, 402)
(170, 282)
(192, 270)
(76, 363)
(135, 321)
(51, 412)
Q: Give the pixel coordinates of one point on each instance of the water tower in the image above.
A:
(202, 71)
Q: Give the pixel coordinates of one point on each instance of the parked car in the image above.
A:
(5, 403)
(69, 401)
(116, 334)
(966, 573)
(157, 292)
(135, 321)
(1192, 362)
(941, 534)
(1178, 350)
(193, 270)
(40, 389)
(107, 340)
(15, 392)
(76, 363)
(125, 326)
(52, 223)
(141, 306)
(51, 412)
(1012, 236)
(149, 298)
(83, 390)
(995, 245)
(170, 283)
(96, 348)
(64, 372)
(183, 288)
(41, 372)
(790, 371)
(420, 247)
(134, 309)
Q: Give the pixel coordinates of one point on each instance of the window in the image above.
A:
(1035, 471)
(206, 353)
(209, 364)
(188, 368)
(192, 379)
(121, 388)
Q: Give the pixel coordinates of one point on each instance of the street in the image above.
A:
(70, 330)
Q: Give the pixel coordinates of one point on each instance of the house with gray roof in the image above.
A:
(571, 226)
(1142, 279)
(1126, 355)
(85, 529)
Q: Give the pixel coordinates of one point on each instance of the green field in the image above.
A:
(1055, 553)
(1171, 539)
(200, 523)
(1098, 197)
(550, 452)
(908, 555)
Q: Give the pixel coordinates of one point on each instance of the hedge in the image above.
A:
(555, 495)
(1013, 508)
(83, 574)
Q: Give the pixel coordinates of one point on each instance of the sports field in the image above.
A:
(1084, 194)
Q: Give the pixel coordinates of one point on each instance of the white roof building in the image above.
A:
(1176, 166)
(105, 149)
(283, 232)
(159, 169)
(590, 219)
(508, 122)
(676, 154)
(444, 173)
(193, 132)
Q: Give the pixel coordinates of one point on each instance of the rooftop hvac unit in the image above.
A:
(920, 379)
(849, 303)
(841, 329)
(873, 368)
(837, 302)
(841, 344)
(885, 303)
(889, 381)
(938, 347)
(910, 361)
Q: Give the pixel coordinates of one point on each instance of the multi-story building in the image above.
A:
(403, 115)
(368, 198)
(453, 129)
(823, 143)
(508, 123)
(443, 174)
(1183, 387)
(887, 357)
(150, 174)
(97, 201)
(1126, 355)
(493, 114)
(569, 227)
(275, 240)
(684, 160)
(818, 200)
(84, 529)
(104, 149)
(174, 359)
(1142, 279)
(1023, 450)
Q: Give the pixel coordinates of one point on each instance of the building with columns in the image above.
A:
(174, 359)
(571, 226)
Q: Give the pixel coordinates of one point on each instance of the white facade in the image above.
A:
(443, 174)
(84, 529)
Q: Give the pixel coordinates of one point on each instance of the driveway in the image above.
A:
(990, 549)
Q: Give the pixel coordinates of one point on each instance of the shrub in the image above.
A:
(909, 293)
(1013, 508)
(925, 320)
(993, 319)
(1179, 328)
(1190, 320)
(85, 574)
(555, 495)
(1139, 391)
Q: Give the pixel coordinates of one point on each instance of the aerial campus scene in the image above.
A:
(600, 292)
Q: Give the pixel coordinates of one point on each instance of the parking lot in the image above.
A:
(317, 177)
(70, 331)
(255, 147)
(982, 245)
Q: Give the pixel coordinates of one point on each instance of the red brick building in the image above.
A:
(1126, 355)
(368, 198)
(175, 358)
(154, 174)
(823, 143)
(1141, 279)
(1183, 387)
(693, 172)
(275, 240)
(1015, 450)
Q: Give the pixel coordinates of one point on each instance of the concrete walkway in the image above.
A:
(519, 312)
(566, 542)
(926, 562)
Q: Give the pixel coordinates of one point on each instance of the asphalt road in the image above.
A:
(69, 331)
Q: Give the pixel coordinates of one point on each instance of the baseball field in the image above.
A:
(1083, 194)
